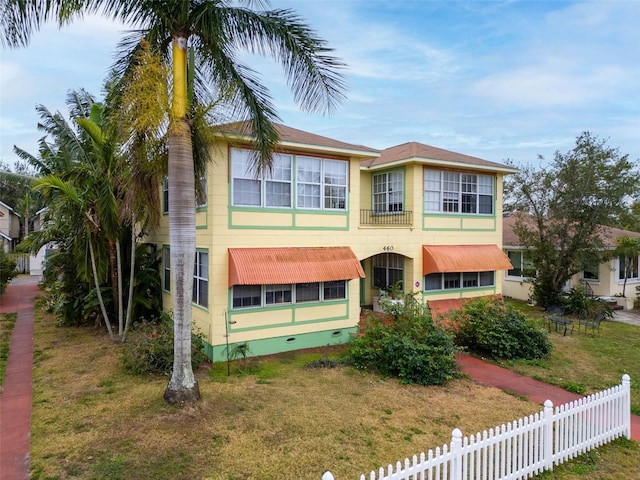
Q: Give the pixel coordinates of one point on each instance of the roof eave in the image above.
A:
(442, 163)
(363, 154)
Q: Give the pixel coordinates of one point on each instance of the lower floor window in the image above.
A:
(456, 280)
(247, 296)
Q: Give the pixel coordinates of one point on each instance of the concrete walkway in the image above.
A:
(15, 396)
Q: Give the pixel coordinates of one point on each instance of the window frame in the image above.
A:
(457, 281)
(166, 268)
(635, 270)
(458, 192)
(324, 292)
(393, 262)
(525, 266)
(381, 200)
(200, 294)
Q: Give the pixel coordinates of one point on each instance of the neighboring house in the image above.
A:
(287, 260)
(9, 228)
(604, 280)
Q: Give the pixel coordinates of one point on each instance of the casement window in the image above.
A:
(523, 267)
(248, 296)
(388, 192)
(388, 270)
(319, 183)
(201, 279)
(166, 269)
(456, 192)
(272, 189)
(627, 267)
(458, 280)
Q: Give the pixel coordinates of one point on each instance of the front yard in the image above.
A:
(276, 419)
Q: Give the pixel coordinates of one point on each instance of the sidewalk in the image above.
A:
(533, 390)
(15, 398)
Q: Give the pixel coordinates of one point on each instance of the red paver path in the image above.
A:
(533, 390)
(15, 398)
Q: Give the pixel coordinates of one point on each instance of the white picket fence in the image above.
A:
(526, 446)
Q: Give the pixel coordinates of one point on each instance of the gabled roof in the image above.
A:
(294, 138)
(609, 234)
(11, 210)
(421, 153)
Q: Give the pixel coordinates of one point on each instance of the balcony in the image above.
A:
(376, 217)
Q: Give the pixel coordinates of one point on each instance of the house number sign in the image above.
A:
(388, 248)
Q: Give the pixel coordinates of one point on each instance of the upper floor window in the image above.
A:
(272, 189)
(456, 192)
(166, 269)
(165, 195)
(201, 199)
(319, 183)
(388, 192)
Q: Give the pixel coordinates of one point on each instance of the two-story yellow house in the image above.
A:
(9, 228)
(287, 260)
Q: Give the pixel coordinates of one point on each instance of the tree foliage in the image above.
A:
(562, 208)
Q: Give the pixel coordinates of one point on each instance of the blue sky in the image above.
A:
(495, 79)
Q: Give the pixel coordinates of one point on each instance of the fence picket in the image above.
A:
(526, 446)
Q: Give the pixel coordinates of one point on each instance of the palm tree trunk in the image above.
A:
(119, 293)
(98, 292)
(183, 385)
(131, 278)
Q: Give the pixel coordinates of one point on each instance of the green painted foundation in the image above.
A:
(268, 346)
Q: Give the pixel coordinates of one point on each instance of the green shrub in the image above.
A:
(149, 347)
(7, 270)
(488, 327)
(578, 303)
(410, 347)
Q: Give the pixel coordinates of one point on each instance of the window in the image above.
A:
(165, 195)
(201, 199)
(321, 183)
(335, 290)
(388, 270)
(388, 192)
(277, 294)
(630, 264)
(247, 296)
(272, 189)
(307, 292)
(522, 264)
(454, 192)
(201, 279)
(591, 272)
(457, 280)
(166, 269)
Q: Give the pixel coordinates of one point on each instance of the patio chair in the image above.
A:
(593, 323)
(555, 316)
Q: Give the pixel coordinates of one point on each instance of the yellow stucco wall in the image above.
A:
(220, 227)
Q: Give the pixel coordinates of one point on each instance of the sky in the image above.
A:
(499, 80)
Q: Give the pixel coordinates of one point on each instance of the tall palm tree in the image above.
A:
(216, 31)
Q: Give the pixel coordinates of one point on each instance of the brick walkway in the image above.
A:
(15, 396)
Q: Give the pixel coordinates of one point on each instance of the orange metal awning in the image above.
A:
(463, 258)
(260, 266)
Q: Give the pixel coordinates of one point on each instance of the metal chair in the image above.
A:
(593, 323)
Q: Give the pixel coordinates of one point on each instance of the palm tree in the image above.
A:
(215, 31)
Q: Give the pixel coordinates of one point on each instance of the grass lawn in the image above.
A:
(7, 323)
(585, 363)
(271, 419)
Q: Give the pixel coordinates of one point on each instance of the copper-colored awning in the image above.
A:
(260, 266)
(463, 258)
